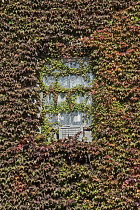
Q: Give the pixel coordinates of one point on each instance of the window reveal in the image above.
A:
(69, 103)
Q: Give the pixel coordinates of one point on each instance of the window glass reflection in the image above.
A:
(49, 80)
(75, 80)
(63, 81)
(80, 99)
(64, 118)
(76, 118)
(76, 62)
(71, 63)
(61, 97)
(87, 80)
(86, 119)
(48, 99)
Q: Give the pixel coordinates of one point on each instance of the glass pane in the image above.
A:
(67, 64)
(61, 97)
(85, 63)
(74, 64)
(76, 118)
(86, 98)
(87, 81)
(63, 81)
(71, 63)
(86, 119)
(89, 100)
(63, 118)
(49, 99)
(56, 71)
(79, 99)
(48, 66)
(52, 68)
(75, 80)
(48, 80)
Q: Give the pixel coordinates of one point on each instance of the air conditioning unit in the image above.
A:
(70, 131)
(82, 133)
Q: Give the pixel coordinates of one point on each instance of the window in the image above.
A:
(67, 99)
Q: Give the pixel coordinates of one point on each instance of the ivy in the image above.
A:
(38, 172)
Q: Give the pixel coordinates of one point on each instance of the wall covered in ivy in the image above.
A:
(68, 174)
